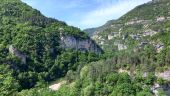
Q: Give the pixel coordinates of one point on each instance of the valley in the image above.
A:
(42, 56)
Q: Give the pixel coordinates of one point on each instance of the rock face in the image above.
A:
(79, 44)
(122, 47)
(132, 22)
(17, 53)
(165, 75)
(149, 32)
(160, 19)
(110, 37)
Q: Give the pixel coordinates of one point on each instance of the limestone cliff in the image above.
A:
(17, 53)
(72, 42)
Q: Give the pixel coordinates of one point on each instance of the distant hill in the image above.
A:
(141, 25)
(90, 31)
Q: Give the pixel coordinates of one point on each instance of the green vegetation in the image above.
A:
(32, 56)
(37, 39)
(97, 79)
(145, 32)
(148, 11)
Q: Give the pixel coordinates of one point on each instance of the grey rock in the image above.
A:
(17, 53)
(122, 47)
(72, 42)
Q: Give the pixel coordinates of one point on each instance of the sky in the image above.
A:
(84, 13)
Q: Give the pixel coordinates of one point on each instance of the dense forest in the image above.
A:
(30, 51)
(32, 56)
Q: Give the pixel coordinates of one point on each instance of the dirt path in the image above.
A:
(57, 86)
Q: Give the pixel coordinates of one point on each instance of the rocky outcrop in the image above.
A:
(160, 19)
(122, 47)
(72, 42)
(149, 32)
(113, 34)
(164, 75)
(132, 22)
(17, 53)
(110, 37)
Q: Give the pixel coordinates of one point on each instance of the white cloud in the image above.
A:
(113, 11)
(84, 13)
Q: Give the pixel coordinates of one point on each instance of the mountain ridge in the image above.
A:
(36, 52)
(142, 18)
(34, 48)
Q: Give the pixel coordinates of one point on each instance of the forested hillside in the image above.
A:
(136, 59)
(143, 31)
(36, 52)
(35, 49)
(139, 41)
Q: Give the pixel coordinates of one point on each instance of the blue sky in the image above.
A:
(84, 13)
